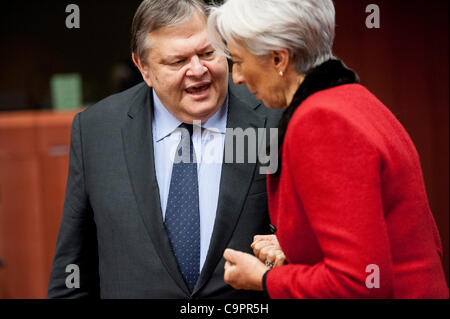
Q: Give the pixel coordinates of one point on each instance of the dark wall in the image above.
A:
(35, 44)
(405, 64)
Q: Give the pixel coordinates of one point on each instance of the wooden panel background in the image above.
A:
(34, 148)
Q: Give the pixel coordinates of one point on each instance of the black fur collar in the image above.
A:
(325, 76)
(329, 74)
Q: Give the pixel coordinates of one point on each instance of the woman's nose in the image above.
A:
(238, 79)
(196, 68)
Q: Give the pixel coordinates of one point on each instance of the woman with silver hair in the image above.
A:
(348, 201)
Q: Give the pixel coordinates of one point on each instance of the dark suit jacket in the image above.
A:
(112, 225)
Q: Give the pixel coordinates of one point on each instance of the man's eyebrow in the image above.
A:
(174, 57)
(181, 57)
(206, 47)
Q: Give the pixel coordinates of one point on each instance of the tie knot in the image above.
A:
(188, 127)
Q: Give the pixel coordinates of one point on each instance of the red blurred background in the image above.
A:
(405, 64)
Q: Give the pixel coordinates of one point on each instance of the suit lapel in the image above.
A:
(235, 181)
(138, 147)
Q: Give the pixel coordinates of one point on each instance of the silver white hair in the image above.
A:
(305, 27)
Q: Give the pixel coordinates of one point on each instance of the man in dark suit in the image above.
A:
(137, 223)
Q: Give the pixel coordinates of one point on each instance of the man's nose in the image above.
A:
(196, 68)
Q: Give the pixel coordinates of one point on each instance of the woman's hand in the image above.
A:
(243, 271)
(268, 250)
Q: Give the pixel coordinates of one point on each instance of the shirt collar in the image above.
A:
(218, 122)
(164, 123)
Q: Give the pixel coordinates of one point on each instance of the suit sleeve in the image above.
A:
(77, 242)
(336, 172)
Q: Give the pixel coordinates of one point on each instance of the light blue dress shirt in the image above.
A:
(209, 142)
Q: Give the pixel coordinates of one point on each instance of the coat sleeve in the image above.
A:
(77, 242)
(336, 172)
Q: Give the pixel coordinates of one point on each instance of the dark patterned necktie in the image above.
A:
(182, 219)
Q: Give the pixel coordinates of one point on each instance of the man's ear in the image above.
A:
(280, 60)
(143, 68)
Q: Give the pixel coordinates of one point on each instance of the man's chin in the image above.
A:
(201, 109)
(203, 113)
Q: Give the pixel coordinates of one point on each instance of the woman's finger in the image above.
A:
(280, 259)
(260, 245)
(265, 252)
(263, 237)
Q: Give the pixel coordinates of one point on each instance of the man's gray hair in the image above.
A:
(156, 14)
(304, 27)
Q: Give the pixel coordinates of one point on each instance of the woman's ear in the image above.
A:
(143, 68)
(280, 60)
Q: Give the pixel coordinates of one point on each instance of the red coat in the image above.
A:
(351, 194)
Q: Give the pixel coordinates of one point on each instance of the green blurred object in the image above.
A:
(66, 91)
